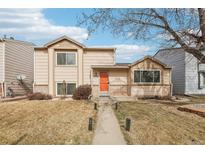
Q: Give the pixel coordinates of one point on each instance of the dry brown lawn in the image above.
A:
(158, 123)
(45, 122)
(197, 99)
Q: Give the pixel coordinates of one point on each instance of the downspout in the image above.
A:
(129, 81)
(114, 62)
(4, 83)
(198, 71)
(199, 80)
(171, 85)
(34, 69)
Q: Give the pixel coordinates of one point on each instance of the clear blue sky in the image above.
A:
(42, 25)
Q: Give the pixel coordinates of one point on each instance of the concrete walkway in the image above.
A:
(107, 129)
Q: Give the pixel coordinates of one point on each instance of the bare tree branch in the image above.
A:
(185, 27)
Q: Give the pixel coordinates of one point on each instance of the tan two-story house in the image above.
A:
(66, 60)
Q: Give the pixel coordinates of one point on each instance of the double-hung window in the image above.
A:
(147, 76)
(66, 58)
(65, 89)
(201, 79)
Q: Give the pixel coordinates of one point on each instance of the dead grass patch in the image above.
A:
(45, 122)
(158, 123)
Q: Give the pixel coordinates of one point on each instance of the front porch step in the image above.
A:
(105, 100)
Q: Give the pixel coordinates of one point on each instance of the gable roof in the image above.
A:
(109, 66)
(164, 49)
(123, 64)
(64, 38)
(151, 58)
(99, 48)
(17, 41)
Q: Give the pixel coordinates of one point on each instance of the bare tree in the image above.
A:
(184, 28)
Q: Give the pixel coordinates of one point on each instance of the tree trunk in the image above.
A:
(202, 24)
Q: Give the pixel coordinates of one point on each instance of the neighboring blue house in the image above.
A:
(188, 75)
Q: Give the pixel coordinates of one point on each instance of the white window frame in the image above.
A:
(73, 52)
(67, 82)
(202, 84)
(147, 82)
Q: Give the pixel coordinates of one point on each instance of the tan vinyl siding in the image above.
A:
(1, 62)
(65, 44)
(167, 76)
(67, 73)
(95, 78)
(41, 89)
(118, 82)
(118, 85)
(118, 90)
(118, 77)
(147, 64)
(150, 91)
(79, 73)
(162, 89)
(95, 58)
(41, 67)
(18, 60)
(95, 90)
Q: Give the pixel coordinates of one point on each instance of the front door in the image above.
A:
(104, 82)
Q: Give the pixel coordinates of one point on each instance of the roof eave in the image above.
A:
(152, 58)
(98, 48)
(40, 48)
(64, 38)
(108, 67)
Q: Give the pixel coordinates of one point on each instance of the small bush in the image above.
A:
(82, 92)
(39, 96)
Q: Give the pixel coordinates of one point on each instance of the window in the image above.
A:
(147, 76)
(203, 78)
(156, 76)
(66, 58)
(60, 89)
(202, 83)
(61, 58)
(67, 89)
(136, 76)
(70, 88)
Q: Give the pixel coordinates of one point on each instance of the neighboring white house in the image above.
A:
(188, 75)
(16, 60)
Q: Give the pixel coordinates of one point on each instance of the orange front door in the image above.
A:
(104, 81)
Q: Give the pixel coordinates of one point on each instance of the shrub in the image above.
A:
(82, 92)
(39, 96)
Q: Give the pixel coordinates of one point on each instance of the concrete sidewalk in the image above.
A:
(107, 129)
